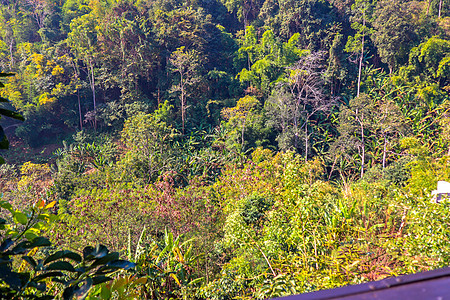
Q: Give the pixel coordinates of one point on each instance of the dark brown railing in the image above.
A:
(421, 286)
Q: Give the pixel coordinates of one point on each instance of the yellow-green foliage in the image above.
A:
(34, 176)
(111, 214)
(322, 236)
(148, 139)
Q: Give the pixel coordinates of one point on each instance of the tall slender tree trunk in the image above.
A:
(440, 8)
(11, 56)
(306, 141)
(183, 104)
(296, 133)
(159, 84)
(159, 96)
(93, 87)
(183, 112)
(242, 133)
(92, 82)
(249, 64)
(332, 167)
(79, 109)
(361, 60)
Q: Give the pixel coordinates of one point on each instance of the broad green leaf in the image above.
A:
(105, 292)
(12, 233)
(11, 114)
(20, 218)
(68, 293)
(119, 283)
(6, 244)
(30, 235)
(5, 74)
(63, 254)
(20, 248)
(82, 291)
(48, 275)
(41, 286)
(100, 279)
(30, 260)
(13, 279)
(61, 266)
(6, 205)
(105, 259)
(112, 266)
(121, 264)
(90, 253)
(40, 242)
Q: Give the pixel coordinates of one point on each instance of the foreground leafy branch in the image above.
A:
(4, 143)
(21, 242)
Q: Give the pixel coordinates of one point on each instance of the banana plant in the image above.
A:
(168, 267)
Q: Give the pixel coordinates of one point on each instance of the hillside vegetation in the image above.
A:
(221, 149)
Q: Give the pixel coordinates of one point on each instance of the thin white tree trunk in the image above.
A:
(361, 60)
(306, 141)
(384, 152)
(242, 133)
(79, 109)
(183, 102)
(11, 56)
(91, 77)
(93, 87)
(363, 150)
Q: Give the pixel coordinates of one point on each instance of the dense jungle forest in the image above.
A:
(220, 149)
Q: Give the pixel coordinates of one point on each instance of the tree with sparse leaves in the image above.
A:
(185, 63)
(299, 98)
(356, 121)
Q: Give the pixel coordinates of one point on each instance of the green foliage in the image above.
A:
(428, 64)
(394, 34)
(21, 235)
(170, 100)
(267, 59)
(429, 249)
(123, 287)
(254, 209)
(151, 142)
(315, 227)
(241, 119)
(168, 267)
(84, 155)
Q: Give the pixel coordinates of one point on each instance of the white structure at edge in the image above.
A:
(443, 189)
